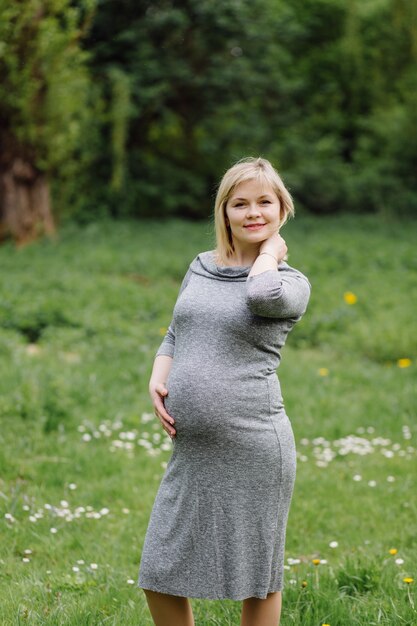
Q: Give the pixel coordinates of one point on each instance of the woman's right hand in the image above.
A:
(158, 392)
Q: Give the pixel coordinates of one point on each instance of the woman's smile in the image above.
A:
(254, 226)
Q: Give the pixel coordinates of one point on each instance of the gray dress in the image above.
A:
(218, 523)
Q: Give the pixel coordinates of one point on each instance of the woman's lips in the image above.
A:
(255, 226)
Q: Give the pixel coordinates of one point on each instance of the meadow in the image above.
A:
(82, 455)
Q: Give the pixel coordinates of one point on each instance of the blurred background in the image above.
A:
(135, 109)
(118, 119)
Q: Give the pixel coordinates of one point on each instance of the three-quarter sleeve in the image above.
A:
(281, 293)
(167, 346)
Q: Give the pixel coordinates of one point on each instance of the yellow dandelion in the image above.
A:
(404, 363)
(408, 580)
(393, 551)
(325, 625)
(304, 583)
(349, 297)
(323, 371)
(316, 561)
(162, 330)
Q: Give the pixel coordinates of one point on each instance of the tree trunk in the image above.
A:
(25, 209)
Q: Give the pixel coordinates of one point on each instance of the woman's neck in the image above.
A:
(238, 259)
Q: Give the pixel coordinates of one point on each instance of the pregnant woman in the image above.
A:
(218, 523)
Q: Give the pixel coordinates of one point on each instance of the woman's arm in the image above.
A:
(158, 391)
(161, 368)
(280, 293)
(263, 263)
(167, 346)
(274, 291)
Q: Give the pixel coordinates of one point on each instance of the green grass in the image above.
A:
(80, 321)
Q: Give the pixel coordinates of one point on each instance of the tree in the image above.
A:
(43, 96)
(195, 73)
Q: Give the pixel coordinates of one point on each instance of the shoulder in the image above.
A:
(205, 255)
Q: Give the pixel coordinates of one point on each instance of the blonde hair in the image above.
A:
(248, 168)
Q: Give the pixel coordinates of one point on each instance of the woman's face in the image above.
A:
(250, 204)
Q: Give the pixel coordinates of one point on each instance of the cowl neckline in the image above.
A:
(208, 261)
(205, 264)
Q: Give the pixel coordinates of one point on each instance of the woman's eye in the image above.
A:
(266, 202)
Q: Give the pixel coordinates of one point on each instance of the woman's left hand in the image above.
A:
(274, 245)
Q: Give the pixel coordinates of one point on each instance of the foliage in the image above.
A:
(44, 103)
(136, 108)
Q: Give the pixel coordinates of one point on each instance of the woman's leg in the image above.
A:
(167, 610)
(262, 612)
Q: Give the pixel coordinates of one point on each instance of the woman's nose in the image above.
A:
(253, 208)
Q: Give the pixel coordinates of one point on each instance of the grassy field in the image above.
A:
(81, 454)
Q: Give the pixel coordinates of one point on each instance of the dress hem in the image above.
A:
(210, 596)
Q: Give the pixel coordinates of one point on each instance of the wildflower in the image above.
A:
(32, 349)
(130, 581)
(399, 561)
(409, 580)
(333, 544)
(316, 561)
(393, 551)
(406, 432)
(323, 371)
(350, 297)
(93, 565)
(75, 569)
(357, 477)
(53, 530)
(404, 363)
(304, 583)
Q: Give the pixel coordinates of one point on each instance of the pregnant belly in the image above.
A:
(203, 407)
